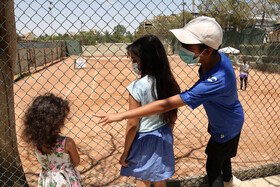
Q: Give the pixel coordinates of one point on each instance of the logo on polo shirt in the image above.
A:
(212, 79)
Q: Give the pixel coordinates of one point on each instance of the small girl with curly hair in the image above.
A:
(57, 154)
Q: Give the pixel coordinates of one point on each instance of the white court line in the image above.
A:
(70, 89)
(93, 83)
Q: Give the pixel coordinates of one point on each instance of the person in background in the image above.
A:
(216, 90)
(243, 72)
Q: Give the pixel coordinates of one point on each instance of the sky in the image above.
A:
(82, 15)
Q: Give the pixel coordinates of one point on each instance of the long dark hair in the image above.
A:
(44, 119)
(154, 62)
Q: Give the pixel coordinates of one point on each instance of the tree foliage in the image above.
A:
(230, 14)
(119, 35)
(265, 8)
(234, 14)
(161, 25)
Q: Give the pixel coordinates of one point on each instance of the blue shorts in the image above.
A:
(151, 157)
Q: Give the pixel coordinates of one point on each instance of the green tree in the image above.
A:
(120, 29)
(161, 25)
(145, 28)
(265, 8)
(66, 37)
(44, 38)
(228, 13)
(92, 38)
(80, 36)
(129, 36)
(118, 33)
(89, 38)
(107, 37)
(57, 37)
(100, 38)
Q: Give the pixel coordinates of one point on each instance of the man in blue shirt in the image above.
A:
(216, 90)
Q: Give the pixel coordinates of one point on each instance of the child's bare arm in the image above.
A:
(131, 129)
(71, 149)
(156, 107)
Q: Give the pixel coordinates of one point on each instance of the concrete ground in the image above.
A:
(271, 181)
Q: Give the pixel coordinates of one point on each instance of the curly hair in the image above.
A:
(44, 119)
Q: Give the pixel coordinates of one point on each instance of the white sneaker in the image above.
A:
(234, 182)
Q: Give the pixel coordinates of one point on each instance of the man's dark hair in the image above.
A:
(204, 46)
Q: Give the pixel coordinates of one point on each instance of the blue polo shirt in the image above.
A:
(216, 90)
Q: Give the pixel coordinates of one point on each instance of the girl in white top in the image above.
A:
(148, 152)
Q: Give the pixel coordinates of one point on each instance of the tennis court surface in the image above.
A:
(101, 87)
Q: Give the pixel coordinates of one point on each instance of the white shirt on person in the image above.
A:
(244, 68)
(141, 91)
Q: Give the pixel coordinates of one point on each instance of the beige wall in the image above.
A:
(112, 49)
(106, 49)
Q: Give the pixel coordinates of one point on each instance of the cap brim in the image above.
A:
(184, 36)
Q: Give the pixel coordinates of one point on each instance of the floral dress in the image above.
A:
(57, 168)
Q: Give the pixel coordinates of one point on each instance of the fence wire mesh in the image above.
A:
(77, 50)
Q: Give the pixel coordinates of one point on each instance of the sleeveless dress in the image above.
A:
(57, 168)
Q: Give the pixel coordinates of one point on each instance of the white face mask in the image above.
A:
(135, 68)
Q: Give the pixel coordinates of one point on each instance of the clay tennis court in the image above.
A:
(100, 87)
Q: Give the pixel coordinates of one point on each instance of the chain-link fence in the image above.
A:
(76, 49)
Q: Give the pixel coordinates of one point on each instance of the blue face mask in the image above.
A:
(187, 56)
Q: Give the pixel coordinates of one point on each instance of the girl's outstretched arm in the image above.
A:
(155, 107)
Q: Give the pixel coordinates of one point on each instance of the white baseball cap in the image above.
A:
(201, 30)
